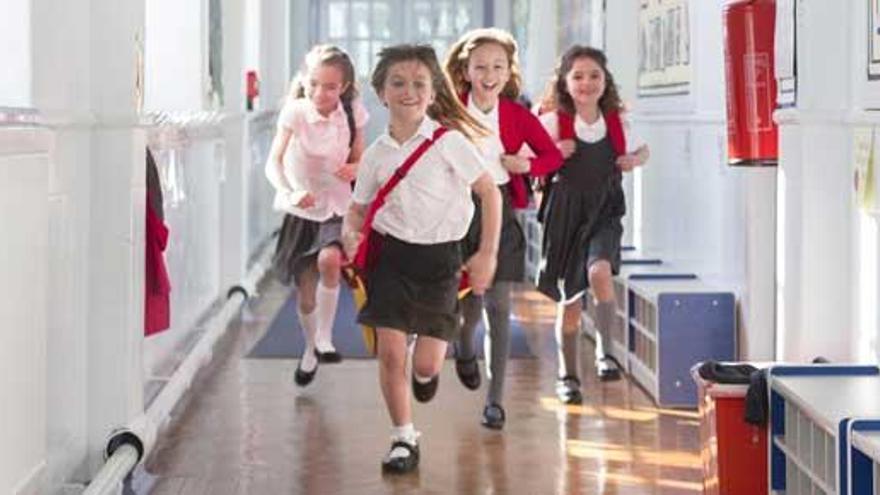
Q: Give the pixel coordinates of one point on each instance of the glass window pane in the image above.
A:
(443, 12)
(381, 20)
(337, 13)
(361, 57)
(463, 17)
(422, 28)
(360, 15)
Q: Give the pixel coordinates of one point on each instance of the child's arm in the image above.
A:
(635, 159)
(548, 157)
(294, 194)
(348, 171)
(351, 228)
(481, 266)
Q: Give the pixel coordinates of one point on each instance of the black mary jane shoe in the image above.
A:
(493, 417)
(607, 369)
(568, 389)
(424, 392)
(468, 371)
(329, 357)
(401, 465)
(303, 378)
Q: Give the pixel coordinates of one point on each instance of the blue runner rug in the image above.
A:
(284, 337)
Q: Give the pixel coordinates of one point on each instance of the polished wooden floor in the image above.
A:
(247, 429)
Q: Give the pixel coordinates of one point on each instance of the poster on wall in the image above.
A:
(664, 48)
(874, 40)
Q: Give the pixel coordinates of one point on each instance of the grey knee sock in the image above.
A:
(497, 301)
(472, 311)
(604, 320)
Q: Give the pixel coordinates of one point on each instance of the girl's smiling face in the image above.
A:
(585, 82)
(325, 86)
(488, 70)
(408, 90)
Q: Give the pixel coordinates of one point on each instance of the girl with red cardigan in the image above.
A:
(484, 70)
(582, 221)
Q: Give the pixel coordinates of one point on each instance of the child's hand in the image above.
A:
(481, 269)
(306, 201)
(516, 164)
(566, 146)
(628, 162)
(347, 172)
(350, 242)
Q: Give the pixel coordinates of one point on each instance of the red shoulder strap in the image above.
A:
(566, 125)
(614, 124)
(395, 179)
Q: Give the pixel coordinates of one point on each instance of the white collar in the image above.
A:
(426, 130)
(313, 115)
(475, 110)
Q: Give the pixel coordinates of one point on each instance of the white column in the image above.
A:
(816, 297)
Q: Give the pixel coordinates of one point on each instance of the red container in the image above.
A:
(734, 453)
(749, 27)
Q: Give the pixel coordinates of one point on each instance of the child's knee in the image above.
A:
(600, 272)
(329, 259)
(427, 367)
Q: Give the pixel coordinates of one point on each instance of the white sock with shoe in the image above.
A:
(326, 300)
(308, 322)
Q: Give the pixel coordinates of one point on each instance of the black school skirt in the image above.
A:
(512, 245)
(414, 288)
(299, 243)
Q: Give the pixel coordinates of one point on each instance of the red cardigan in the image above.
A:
(518, 126)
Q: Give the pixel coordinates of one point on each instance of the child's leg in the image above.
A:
(391, 350)
(392, 353)
(568, 323)
(497, 300)
(307, 280)
(428, 357)
(466, 366)
(471, 312)
(603, 290)
(327, 296)
(568, 387)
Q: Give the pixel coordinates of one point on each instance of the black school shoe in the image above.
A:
(303, 378)
(401, 465)
(607, 369)
(493, 417)
(423, 392)
(330, 357)
(468, 371)
(568, 389)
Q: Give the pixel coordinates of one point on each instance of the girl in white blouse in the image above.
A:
(412, 286)
(314, 158)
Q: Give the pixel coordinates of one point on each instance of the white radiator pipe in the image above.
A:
(127, 446)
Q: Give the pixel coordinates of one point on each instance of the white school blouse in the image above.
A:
(318, 147)
(592, 133)
(490, 146)
(433, 203)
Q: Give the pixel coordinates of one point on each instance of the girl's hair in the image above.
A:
(557, 94)
(456, 64)
(337, 57)
(446, 109)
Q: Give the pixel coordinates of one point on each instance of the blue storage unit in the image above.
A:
(814, 412)
(673, 324)
(864, 454)
(619, 347)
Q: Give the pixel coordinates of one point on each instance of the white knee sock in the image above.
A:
(309, 327)
(325, 309)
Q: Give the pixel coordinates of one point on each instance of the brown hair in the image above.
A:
(456, 63)
(446, 108)
(557, 94)
(337, 57)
